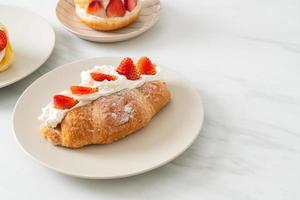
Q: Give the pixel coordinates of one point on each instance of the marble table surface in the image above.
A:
(244, 59)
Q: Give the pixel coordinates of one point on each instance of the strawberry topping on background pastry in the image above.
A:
(108, 15)
(3, 40)
(130, 4)
(64, 102)
(128, 69)
(96, 8)
(145, 66)
(115, 8)
(75, 89)
(102, 77)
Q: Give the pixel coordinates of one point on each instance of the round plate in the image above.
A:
(168, 134)
(32, 40)
(65, 12)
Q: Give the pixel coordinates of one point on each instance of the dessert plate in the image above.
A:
(65, 12)
(32, 40)
(168, 134)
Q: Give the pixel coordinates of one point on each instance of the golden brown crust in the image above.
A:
(109, 23)
(51, 134)
(110, 118)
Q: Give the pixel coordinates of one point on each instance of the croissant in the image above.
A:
(109, 118)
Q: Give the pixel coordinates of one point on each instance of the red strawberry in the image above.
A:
(115, 8)
(130, 4)
(145, 66)
(75, 89)
(101, 77)
(3, 40)
(96, 8)
(64, 102)
(128, 69)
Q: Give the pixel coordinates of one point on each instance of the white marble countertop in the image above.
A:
(244, 58)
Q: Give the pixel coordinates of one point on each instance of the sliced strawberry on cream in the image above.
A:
(63, 102)
(97, 76)
(115, 8)
(145, 66)
(128, 69)
(81, 90)
(130, 4)
(96, 7)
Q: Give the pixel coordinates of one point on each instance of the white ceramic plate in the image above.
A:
(32, 40)
(65, 12)
(169, 133)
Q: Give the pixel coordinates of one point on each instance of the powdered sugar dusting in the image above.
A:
(114, 115)
(128, 109)
(124, 119)
(126, 114)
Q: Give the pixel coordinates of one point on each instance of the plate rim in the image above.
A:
(104, 177)
(46, 58)
(103, 39)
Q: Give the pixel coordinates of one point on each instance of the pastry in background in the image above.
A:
(6, 52)
(108, 15)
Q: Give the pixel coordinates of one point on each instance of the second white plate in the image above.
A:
(32, 40)
(168, 134)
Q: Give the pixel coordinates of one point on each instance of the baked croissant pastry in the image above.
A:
(113, 115)
(6, 51)
(108, 15)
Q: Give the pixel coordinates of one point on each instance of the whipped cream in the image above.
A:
(52, 116)
(106, 2)
(2, 54)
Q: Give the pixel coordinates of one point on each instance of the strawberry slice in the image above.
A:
(128, 69)
(145, 66)
(75, 89)
(130, 4)
(3, 40)
(64, 102)
(95, 7)
(101, 77)
(115, 8)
